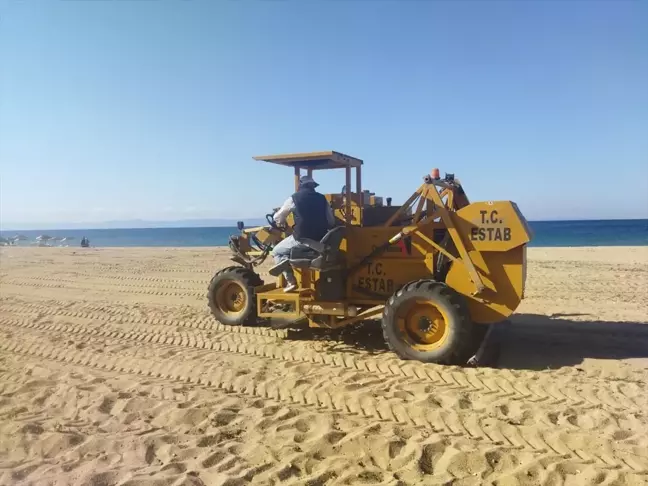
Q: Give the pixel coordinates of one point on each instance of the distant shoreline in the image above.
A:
(581, 233)
(251, 222)
(222, 247)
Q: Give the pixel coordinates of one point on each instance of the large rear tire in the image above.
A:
(231, 296)
(428, 321)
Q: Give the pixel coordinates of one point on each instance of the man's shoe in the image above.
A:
(290, 287)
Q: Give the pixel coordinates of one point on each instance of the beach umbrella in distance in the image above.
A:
(43, 238)
(20, 238)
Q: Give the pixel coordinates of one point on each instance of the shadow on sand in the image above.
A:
(529, 341)
(534, 342)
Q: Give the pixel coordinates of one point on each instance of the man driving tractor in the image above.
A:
(313, 218)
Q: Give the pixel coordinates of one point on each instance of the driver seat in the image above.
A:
(314, 255)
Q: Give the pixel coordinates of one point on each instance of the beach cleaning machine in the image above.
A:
(437, 270)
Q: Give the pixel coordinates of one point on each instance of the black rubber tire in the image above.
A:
(248, 280)
(459, 344)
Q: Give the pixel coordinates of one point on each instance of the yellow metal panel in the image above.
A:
(380, 279)
(356, 215)
(265, 287)
(408, 260)
(503, 275)
(459, 240)
(492, 226)
(339, 207)
(252, 230)
(363, 241)
(268, 236)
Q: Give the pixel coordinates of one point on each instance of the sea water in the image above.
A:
(546, 234)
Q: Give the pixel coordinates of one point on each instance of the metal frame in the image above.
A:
(430, 205)
(311, 161)
(271, 292)
(428, 193)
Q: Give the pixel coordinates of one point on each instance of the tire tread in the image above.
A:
(249, 278)
(464, 342)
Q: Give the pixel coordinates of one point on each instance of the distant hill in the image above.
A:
(135, 223)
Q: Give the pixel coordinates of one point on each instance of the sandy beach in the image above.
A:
(112, 371)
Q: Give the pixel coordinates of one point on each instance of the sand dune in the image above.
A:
(112, 371)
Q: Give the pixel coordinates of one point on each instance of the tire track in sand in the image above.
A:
(547, 412)
(115, 277)
(199, 318)
(229, 422)
(489, 383)
(305, 445)
(99, 281)
(327, 392)
(99, 312)
(121, 290)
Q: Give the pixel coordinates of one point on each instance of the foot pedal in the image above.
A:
(290, 287)
(277, 269)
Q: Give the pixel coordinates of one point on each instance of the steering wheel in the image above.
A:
(273, 223)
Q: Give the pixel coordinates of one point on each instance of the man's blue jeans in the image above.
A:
(281, 252)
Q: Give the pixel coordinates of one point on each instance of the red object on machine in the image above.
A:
(435, 174)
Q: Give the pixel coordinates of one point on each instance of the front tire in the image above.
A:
(231, 296)
(428, 321)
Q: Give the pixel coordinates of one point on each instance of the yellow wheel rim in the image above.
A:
(424, 325)
(231, 297)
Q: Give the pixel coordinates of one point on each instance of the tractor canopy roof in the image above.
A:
(313, 160)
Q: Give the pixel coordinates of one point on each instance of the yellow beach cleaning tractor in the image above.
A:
(437, 269)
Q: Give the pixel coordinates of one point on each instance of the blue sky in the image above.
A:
(154, 109)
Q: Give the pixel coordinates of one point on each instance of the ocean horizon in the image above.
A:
(620, 232)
